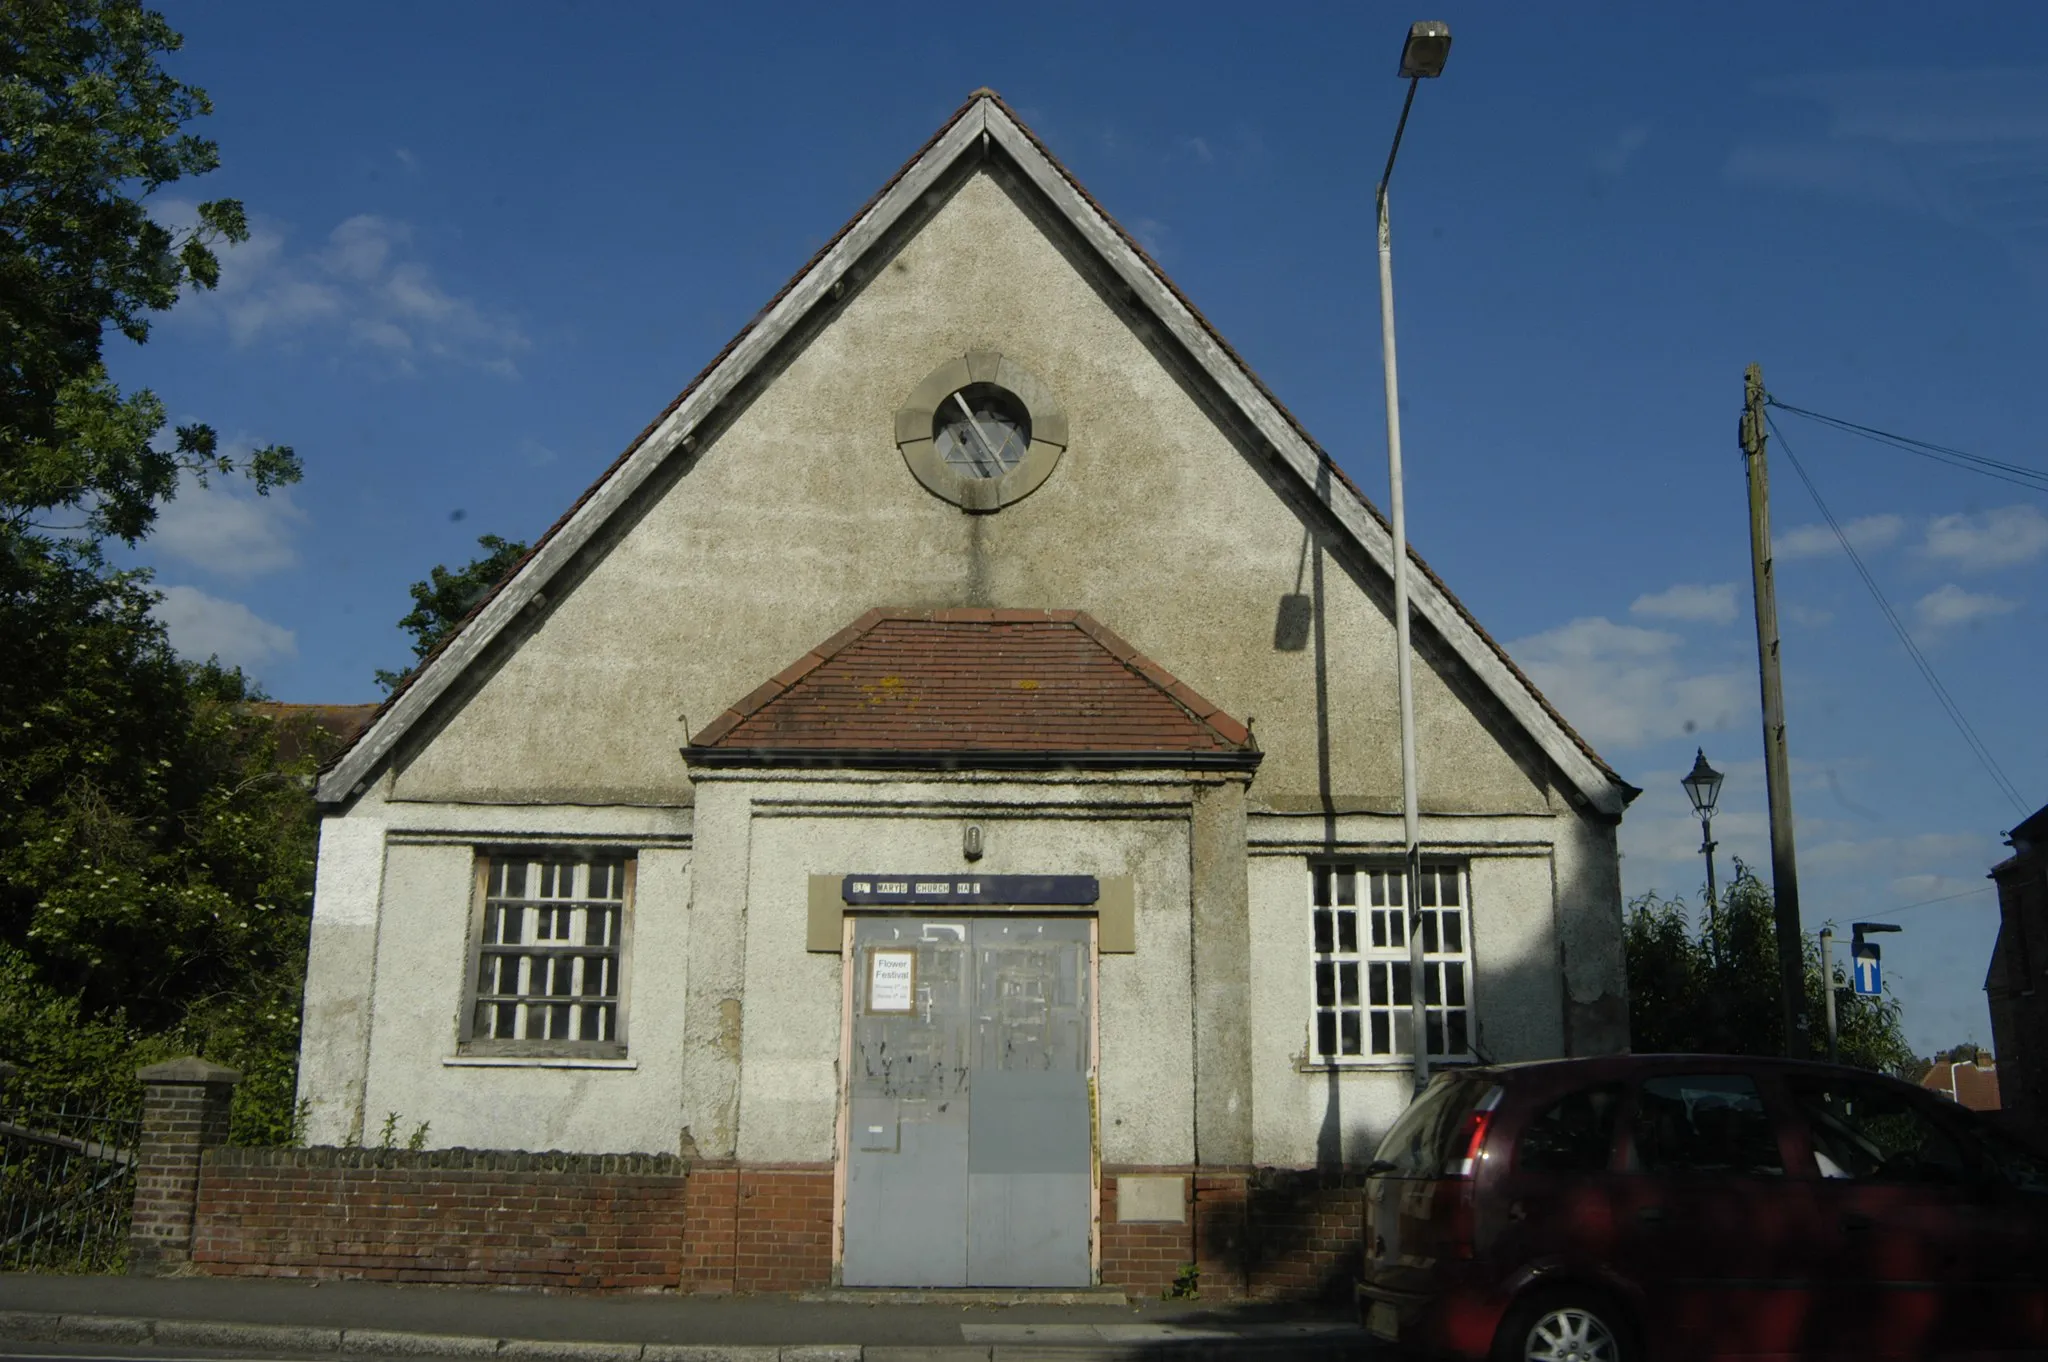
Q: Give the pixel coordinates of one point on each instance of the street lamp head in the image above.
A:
(1429, 43)
(1703, 786)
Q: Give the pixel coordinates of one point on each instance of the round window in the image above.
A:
(981, 431)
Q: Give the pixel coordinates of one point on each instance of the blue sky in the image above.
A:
(492, 241)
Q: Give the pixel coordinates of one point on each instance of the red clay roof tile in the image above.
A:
(974, 680)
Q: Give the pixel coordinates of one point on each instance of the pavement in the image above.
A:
(197, 1315)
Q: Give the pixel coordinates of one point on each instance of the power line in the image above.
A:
(1945, 898)
(2019, 475)
(1941, 692)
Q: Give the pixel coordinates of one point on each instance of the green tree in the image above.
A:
(444, 600)
(1716, 992)
(91, 126)
(155, 853)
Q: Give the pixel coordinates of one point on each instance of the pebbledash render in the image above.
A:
(949, 765)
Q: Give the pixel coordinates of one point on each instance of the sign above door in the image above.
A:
(1076, 891)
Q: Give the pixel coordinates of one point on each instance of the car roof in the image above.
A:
(1594, 1068)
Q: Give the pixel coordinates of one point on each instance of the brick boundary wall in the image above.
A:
(637, 1222)
(603, 1222)
(185, 1109)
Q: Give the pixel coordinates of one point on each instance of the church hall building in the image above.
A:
(941, 785)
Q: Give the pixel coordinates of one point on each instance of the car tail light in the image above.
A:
(1468, 1143)
(1468, 1146)
(1454, 1191)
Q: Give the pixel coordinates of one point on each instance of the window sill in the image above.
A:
(535, 1062)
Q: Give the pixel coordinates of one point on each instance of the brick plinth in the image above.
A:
(1268, 1233)
(783, 1240)
(1144, 1257)
(185, 1105)
(1306, 1233)
(599, 1222)
(710, 1230)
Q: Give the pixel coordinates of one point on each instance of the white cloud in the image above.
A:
(207, 626)
(1901, 856)
(1622, 686)
(1945, 144)
(1714, 604)
(364, 283)
(1615, 156)
(1807, 615)
(2006, 537)
(1817, 541)
(232, 535)
(1152, 234)
(1951, 605)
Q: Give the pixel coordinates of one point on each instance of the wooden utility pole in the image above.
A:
(1777, 766)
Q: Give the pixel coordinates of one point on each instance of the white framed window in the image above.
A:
(1362, 973)
(547, 960)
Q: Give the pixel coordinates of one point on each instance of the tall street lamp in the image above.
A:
(1423, 55)
(1703, 788)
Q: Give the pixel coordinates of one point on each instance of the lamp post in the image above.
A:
(1422, 56)
(1703, 788)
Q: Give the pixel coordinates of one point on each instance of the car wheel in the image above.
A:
(1566, 1326)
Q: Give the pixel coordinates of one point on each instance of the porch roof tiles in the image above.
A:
(930, 686)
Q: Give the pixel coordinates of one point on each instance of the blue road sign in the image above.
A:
(1865, 970)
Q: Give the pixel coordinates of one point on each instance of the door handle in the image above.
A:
(1651, 1215)
(1518, 1211)
(1855, 1221)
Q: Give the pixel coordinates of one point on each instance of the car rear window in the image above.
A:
(1575, 1135)
(1705, 1123)
(1420, 1141)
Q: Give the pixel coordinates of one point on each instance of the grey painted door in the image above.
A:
(969, 1159)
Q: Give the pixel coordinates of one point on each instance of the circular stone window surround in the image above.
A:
(916, 423)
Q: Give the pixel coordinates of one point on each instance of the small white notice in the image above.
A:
(892, 980)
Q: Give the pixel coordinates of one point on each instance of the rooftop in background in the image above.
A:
(296, 725)
(1973, 1083)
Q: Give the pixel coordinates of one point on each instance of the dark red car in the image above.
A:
(1701, 1206)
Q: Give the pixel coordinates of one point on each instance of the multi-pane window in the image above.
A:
(1364, 1000)
(548, 955)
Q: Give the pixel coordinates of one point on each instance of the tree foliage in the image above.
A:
(155, 853)
(91, 126)
(442, 601)
(1716, 991)
(156, 850)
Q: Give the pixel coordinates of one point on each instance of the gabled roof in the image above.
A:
(983, 127)
(974, 688)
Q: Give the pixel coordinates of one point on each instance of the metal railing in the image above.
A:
(67, 1185)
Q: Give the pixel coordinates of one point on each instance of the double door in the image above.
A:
(970, 1144)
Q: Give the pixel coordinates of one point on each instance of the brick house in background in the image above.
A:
(1972, 1083)
(2016, 985)
(941, 786)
